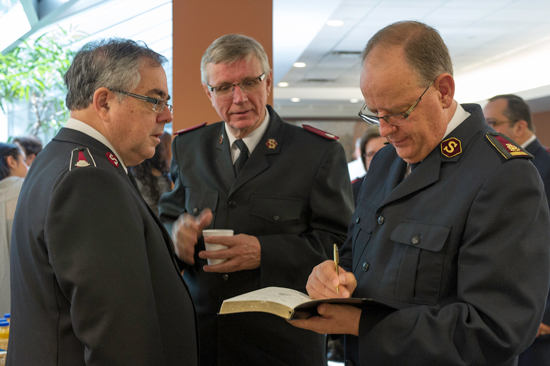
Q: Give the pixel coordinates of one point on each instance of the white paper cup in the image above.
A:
(214, 247)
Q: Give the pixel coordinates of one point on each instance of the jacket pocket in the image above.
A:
(196, 201)
(414, 271)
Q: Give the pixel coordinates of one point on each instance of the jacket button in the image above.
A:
(232, 204)
(366, 267)
(381, 220)
(225, 276)
(357, 220)
(276, 218)
(196, 210)
(415, 240)
(349, 363)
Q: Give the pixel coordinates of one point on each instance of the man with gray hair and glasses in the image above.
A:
(451, 230)
(283, 190)
(94, 277)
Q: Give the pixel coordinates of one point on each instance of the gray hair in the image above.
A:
(110, 63)
(424, 48)
(230, 48)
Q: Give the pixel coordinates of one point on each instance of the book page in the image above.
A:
(284, 296)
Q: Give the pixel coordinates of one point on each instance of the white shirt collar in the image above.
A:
(459, 117)
(77, 125)
(529, 140)
(251, 140)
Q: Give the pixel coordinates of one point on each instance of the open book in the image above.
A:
(287, 303)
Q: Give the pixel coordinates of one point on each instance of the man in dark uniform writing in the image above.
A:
(283, 190)
(94, 278)
(448, 229)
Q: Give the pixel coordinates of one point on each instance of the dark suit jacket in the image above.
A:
(538, 354)
(94, 280)
(356, 185)
(295, 198)
(453, 247)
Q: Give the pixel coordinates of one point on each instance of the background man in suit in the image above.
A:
(94, 278)
(511, 116)
(370, 143)
(288, 204)
(451, 245)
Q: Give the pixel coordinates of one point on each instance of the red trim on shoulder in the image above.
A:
(190, 129)
(319, 132)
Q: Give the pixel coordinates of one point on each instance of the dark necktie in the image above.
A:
(414, 166)
(243, 157)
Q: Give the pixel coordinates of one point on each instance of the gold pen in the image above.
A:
(336, 263)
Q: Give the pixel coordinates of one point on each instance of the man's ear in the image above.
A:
(102, 102)
(445, 84)
(269, 81)
(520, 127)
(207, 91)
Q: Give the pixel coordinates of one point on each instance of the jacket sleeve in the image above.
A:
(499, 301)
(287, 260)
(94, 235)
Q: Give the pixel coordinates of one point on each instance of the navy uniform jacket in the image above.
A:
(538, 354)
(295, 198)
(459, 247)
(94, 281)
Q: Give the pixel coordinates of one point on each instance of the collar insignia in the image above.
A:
(451, 147)
(271, 144)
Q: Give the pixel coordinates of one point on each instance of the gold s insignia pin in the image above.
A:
(451, 147)
(271, 144)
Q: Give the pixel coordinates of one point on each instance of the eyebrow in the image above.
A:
(160, 93)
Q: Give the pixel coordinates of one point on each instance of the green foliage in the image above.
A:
(33, 72)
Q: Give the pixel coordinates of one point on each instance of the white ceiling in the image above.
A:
(488, 40)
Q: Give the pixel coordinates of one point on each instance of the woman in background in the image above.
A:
(12, 171)
(152, 177)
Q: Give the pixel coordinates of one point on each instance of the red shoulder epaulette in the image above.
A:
(508, 148)
(190, 129)
(319, 132)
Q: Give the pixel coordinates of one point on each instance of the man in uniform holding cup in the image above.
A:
(285, 192)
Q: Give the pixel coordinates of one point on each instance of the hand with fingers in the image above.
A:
(243, 252)
(323, 282)
(333, 319)
(185, 234)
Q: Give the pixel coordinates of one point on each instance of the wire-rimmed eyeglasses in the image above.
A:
(247, 85)
(396, 119)
(158, 103)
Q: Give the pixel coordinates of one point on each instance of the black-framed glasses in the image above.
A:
(158, 103)
(494, 123)
(396, 119)
(247, 86)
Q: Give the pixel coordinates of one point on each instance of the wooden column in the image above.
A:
(196, 25)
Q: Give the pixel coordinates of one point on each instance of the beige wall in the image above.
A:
(542, 126)
(196, 25)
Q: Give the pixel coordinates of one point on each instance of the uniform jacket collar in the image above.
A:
(428, 171)
(270, 144)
